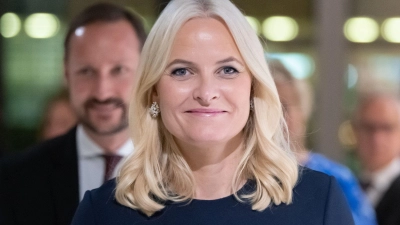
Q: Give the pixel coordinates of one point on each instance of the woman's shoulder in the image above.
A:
(343, 175)
(314, 187)
(311, 180)
(319, 190)
(104, 198)
(99, 206)
(306, 173)
(104, 191)
(317, 199)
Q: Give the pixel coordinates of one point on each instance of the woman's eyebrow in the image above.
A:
(229, 59)
(175, 61)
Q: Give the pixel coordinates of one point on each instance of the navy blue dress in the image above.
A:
(318, 200)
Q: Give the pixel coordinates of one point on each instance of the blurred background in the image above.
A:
(342, 47)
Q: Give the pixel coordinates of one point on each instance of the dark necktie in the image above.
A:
(365, 185)
(111, 163)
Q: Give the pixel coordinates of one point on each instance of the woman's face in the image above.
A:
(204, 93)
(294, 117)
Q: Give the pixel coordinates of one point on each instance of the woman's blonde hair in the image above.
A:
(157, 171)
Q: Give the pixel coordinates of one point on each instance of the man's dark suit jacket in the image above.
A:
(388, 208)
(41, 185)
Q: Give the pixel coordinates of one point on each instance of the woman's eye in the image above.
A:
(229, 70)
(180, 72)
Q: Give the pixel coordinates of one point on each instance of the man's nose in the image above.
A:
(103, 87)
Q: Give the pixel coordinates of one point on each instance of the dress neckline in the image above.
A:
(247, 188)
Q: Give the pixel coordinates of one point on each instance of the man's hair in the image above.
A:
(105, 12)
(366, 97)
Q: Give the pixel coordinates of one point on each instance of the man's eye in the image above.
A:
(117, 70)
(86, 71)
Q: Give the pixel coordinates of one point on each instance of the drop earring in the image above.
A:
(154, 110)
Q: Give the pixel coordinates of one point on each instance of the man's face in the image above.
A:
(377, 129)
(99, 70)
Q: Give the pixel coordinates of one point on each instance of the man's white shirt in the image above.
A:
(381, 180)
(91, 163)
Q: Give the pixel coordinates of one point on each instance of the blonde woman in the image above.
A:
(209, 138)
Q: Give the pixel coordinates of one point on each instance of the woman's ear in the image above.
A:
(154, 95)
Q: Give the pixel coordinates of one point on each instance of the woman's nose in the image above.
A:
(206, 91)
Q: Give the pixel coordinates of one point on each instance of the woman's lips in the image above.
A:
(206, 112)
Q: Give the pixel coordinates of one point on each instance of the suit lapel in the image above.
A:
(64, 179)
(388, 207)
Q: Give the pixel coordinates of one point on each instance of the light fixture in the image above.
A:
(10, 25)
(280, 28)
(300, 65)
(41, 25)
(391, 30)
(361, 29)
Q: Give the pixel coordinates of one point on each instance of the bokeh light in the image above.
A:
(346, 135)
(352, 76)
(41, 25)
(391, 30)
(280, 28)
(361, 29)
(10, 25)
(301, 66)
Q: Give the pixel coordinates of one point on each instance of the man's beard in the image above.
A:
(121, 125)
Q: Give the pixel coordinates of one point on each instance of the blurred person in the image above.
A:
(208, 131)
(376, 124)
(297, 100)
(45, 185)
(59, 117)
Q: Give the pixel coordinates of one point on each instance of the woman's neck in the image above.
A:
(214, 168)
(214, 181)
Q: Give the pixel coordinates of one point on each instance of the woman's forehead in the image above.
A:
(204, 36)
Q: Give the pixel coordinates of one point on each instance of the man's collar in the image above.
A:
(87, 148)
(386, 174)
